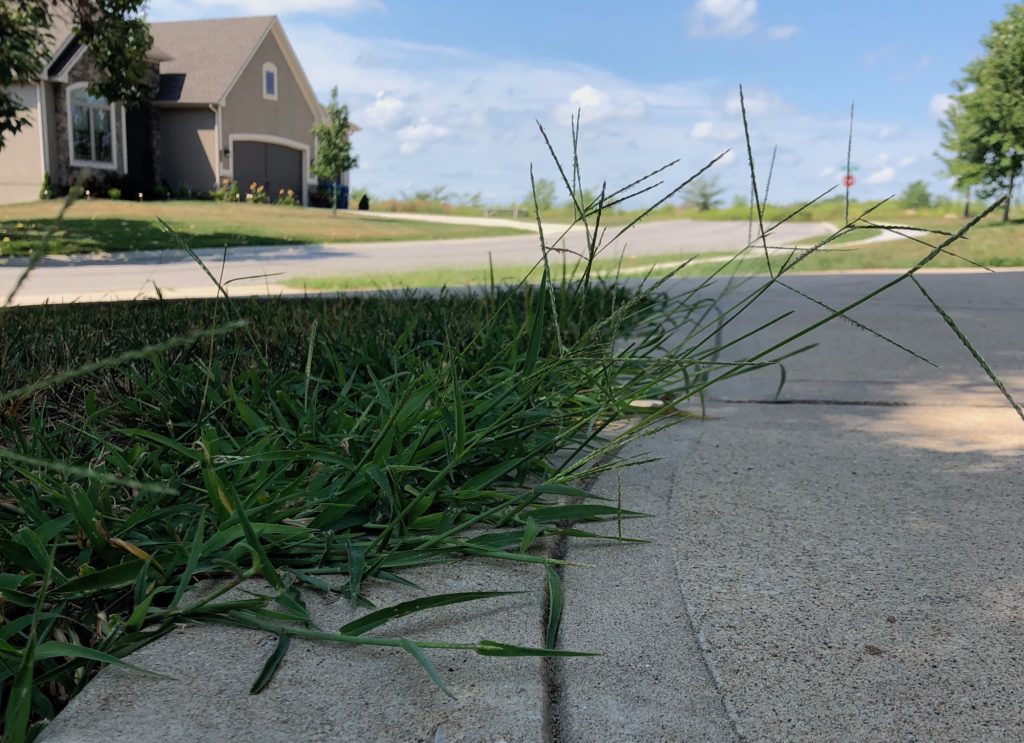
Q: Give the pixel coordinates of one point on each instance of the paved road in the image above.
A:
(128, 274)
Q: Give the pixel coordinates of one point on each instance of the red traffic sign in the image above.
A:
(849, 180)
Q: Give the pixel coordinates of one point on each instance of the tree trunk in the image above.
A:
(967, 202)
(1009, 199)
(334, 207)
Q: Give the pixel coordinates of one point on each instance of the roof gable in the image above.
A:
(205, 57)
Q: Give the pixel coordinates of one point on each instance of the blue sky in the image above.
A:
(447, 92)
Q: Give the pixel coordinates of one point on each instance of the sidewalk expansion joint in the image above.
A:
(551, 668)
(856, 403)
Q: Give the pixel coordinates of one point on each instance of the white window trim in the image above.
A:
(76, 163)
(270, 67)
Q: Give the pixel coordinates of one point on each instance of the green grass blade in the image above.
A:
(383, 616)
(417, 652)
(554, 608)
(272, 663)
(970, 349)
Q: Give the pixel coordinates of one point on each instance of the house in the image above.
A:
(229, 101)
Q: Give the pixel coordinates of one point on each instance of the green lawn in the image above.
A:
(102, 225)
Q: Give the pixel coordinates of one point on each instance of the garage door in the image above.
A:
(273, 166)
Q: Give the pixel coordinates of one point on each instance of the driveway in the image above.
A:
(258, 269)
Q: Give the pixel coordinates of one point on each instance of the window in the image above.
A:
(91, 129)
(269, 81)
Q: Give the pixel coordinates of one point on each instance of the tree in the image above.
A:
(544, 193)
(983, 129)
(704, 193)
(333, 145)
(114, 31)
(916, 196)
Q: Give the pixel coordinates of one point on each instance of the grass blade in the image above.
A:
(554, 608)
(272, 663)
(383, 616)
(417, 652)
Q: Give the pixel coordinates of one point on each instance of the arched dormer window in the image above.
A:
(90, 129)
(269, 81)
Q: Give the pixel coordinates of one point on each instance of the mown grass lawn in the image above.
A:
(103, 225)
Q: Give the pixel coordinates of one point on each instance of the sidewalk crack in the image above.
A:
(698, 634)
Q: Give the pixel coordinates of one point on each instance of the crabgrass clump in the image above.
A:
(292, 441)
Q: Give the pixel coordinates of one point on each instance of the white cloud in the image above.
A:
(756, 101)
(887, 131)
(828, 172)
(588, 96)
(781, 33)
(595, 105)
(881, 176)
(163, 10)
(938, 105)
(906, 162)
(722, 17)
(411, 139)
(384, 112)
(716, 131)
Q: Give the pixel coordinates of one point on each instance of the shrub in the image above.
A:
(161, 192)
(45, 190)
(287, 197)
(916, 196)
(114, 193)
(228, 191)
(257, 194)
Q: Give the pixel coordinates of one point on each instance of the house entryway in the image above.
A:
(275, 167)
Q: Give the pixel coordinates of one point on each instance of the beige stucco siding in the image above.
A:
(188, 148)
(247, 112)
(21, 159)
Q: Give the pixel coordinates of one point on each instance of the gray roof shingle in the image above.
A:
(204, 56)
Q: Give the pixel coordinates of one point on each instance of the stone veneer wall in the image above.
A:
(62, 173)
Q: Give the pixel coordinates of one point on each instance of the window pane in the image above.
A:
(270, 83)
(80, 138)
(103, 148)
(81, 95)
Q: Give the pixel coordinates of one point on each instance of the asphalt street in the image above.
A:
(253, 269)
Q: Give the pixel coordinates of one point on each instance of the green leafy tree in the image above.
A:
(704, 193)
(916, 196)
(983, 129)
(544, 193)
(334, 145)
(114, 31)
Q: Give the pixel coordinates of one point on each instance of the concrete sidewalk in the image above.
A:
(842, 563)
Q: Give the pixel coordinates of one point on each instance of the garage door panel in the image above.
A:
(250, 166)
(275, 167)
(284, 170)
